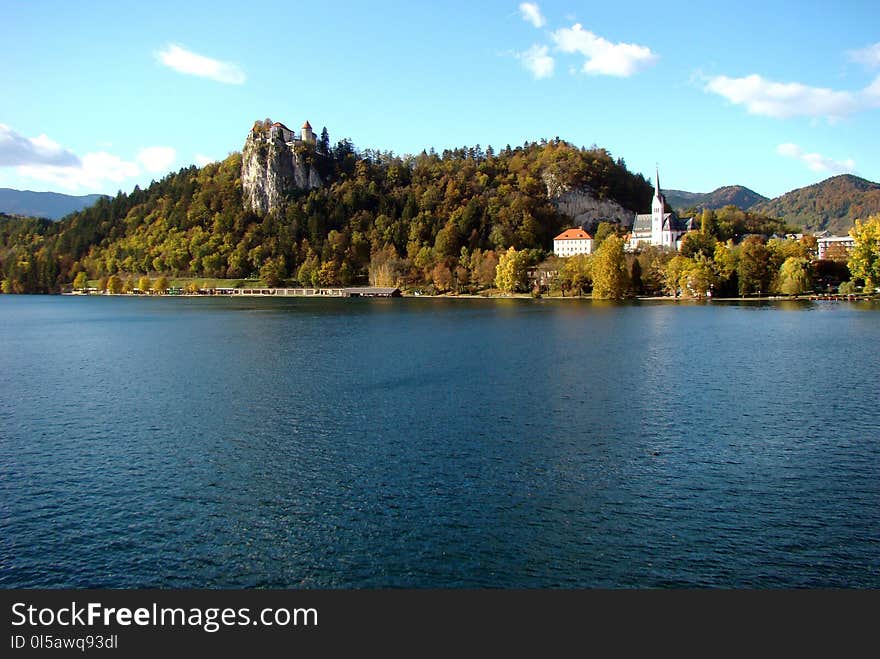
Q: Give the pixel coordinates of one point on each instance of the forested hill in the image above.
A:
(416, 216)
(730, 195)
(834, 204)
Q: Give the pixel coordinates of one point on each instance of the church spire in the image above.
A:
(657, 182)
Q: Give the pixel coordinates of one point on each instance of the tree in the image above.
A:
(610, 274)
(273, 271)
(441, 275)
(604, 230)
(511, 275)
(794, 276)
(114, 285)
(864, 259)
(161, 285)
(81, 281)
(697, 243)
(576, 274)
(102, 284)
(675, 273)
(144, 284)
(753, 268)
(698, 278)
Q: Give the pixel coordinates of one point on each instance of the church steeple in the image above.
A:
(657, 181)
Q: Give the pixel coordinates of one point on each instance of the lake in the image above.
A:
(345, 443)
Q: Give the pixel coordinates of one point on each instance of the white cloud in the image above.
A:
(190, 63)
(869, 55)
(531, 13)
(816, 161)
(603, 57)
(16, 149)
(202, 160)
(537, 60)
(784, 100)
(156, 158)
(91, 173)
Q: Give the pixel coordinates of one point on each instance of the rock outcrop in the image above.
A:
(584, 206)
(273, 164)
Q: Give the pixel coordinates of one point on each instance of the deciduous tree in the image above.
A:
(610, 274)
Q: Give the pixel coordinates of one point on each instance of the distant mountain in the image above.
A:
(52, 205)
(832, 205)
(729, 195)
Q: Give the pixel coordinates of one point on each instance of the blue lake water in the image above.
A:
(438, 443)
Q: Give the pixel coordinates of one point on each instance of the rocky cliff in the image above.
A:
(584, 206)
(271, 169)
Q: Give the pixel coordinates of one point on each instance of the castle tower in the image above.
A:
(658, 211)
(307, 135)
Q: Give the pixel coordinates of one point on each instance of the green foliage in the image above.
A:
(458, 209)
(161, 285)
(610, 272)
(80, 281)
(753, 268)
(576, 274)
(864, 259)
(144, 284)
(795, 277)
(697, 243)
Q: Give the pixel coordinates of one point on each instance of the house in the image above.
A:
(571, 242)
(825, 242)
(660, 228)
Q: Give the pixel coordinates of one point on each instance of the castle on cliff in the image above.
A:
(278, 130)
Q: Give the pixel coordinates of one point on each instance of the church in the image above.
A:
(660, 227)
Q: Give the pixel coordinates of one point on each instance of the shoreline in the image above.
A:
(814, 297)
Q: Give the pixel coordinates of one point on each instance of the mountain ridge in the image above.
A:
(50, 205)
(728, 195)
(830, 205)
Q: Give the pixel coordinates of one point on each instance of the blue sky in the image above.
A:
(99, 96)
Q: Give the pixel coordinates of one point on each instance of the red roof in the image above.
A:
(307, 125)
(574, 234)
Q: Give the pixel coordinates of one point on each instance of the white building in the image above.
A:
(571, 242)
(823, 243)
(290, 138)
(659, 227)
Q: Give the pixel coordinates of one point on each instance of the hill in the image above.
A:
(431, 219)
(832, 205)
(52, 205)
(730, 195)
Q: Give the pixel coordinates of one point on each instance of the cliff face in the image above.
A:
(583, 206)
(271, 169)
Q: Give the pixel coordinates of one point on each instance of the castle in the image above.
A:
(659, 227)
(282, 132)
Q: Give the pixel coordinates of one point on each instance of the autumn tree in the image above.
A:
(864, 259)
(753, 268)
(114, 285)
(80, 281)
(794, 276)
(576, 275)
(144, 284)
(161, 285)
(610, 273)
(511, 274)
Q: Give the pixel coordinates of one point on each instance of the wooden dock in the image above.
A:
(306, 292)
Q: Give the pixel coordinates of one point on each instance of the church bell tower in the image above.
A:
(658, 211)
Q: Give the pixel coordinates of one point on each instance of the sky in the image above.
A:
(101, 96)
